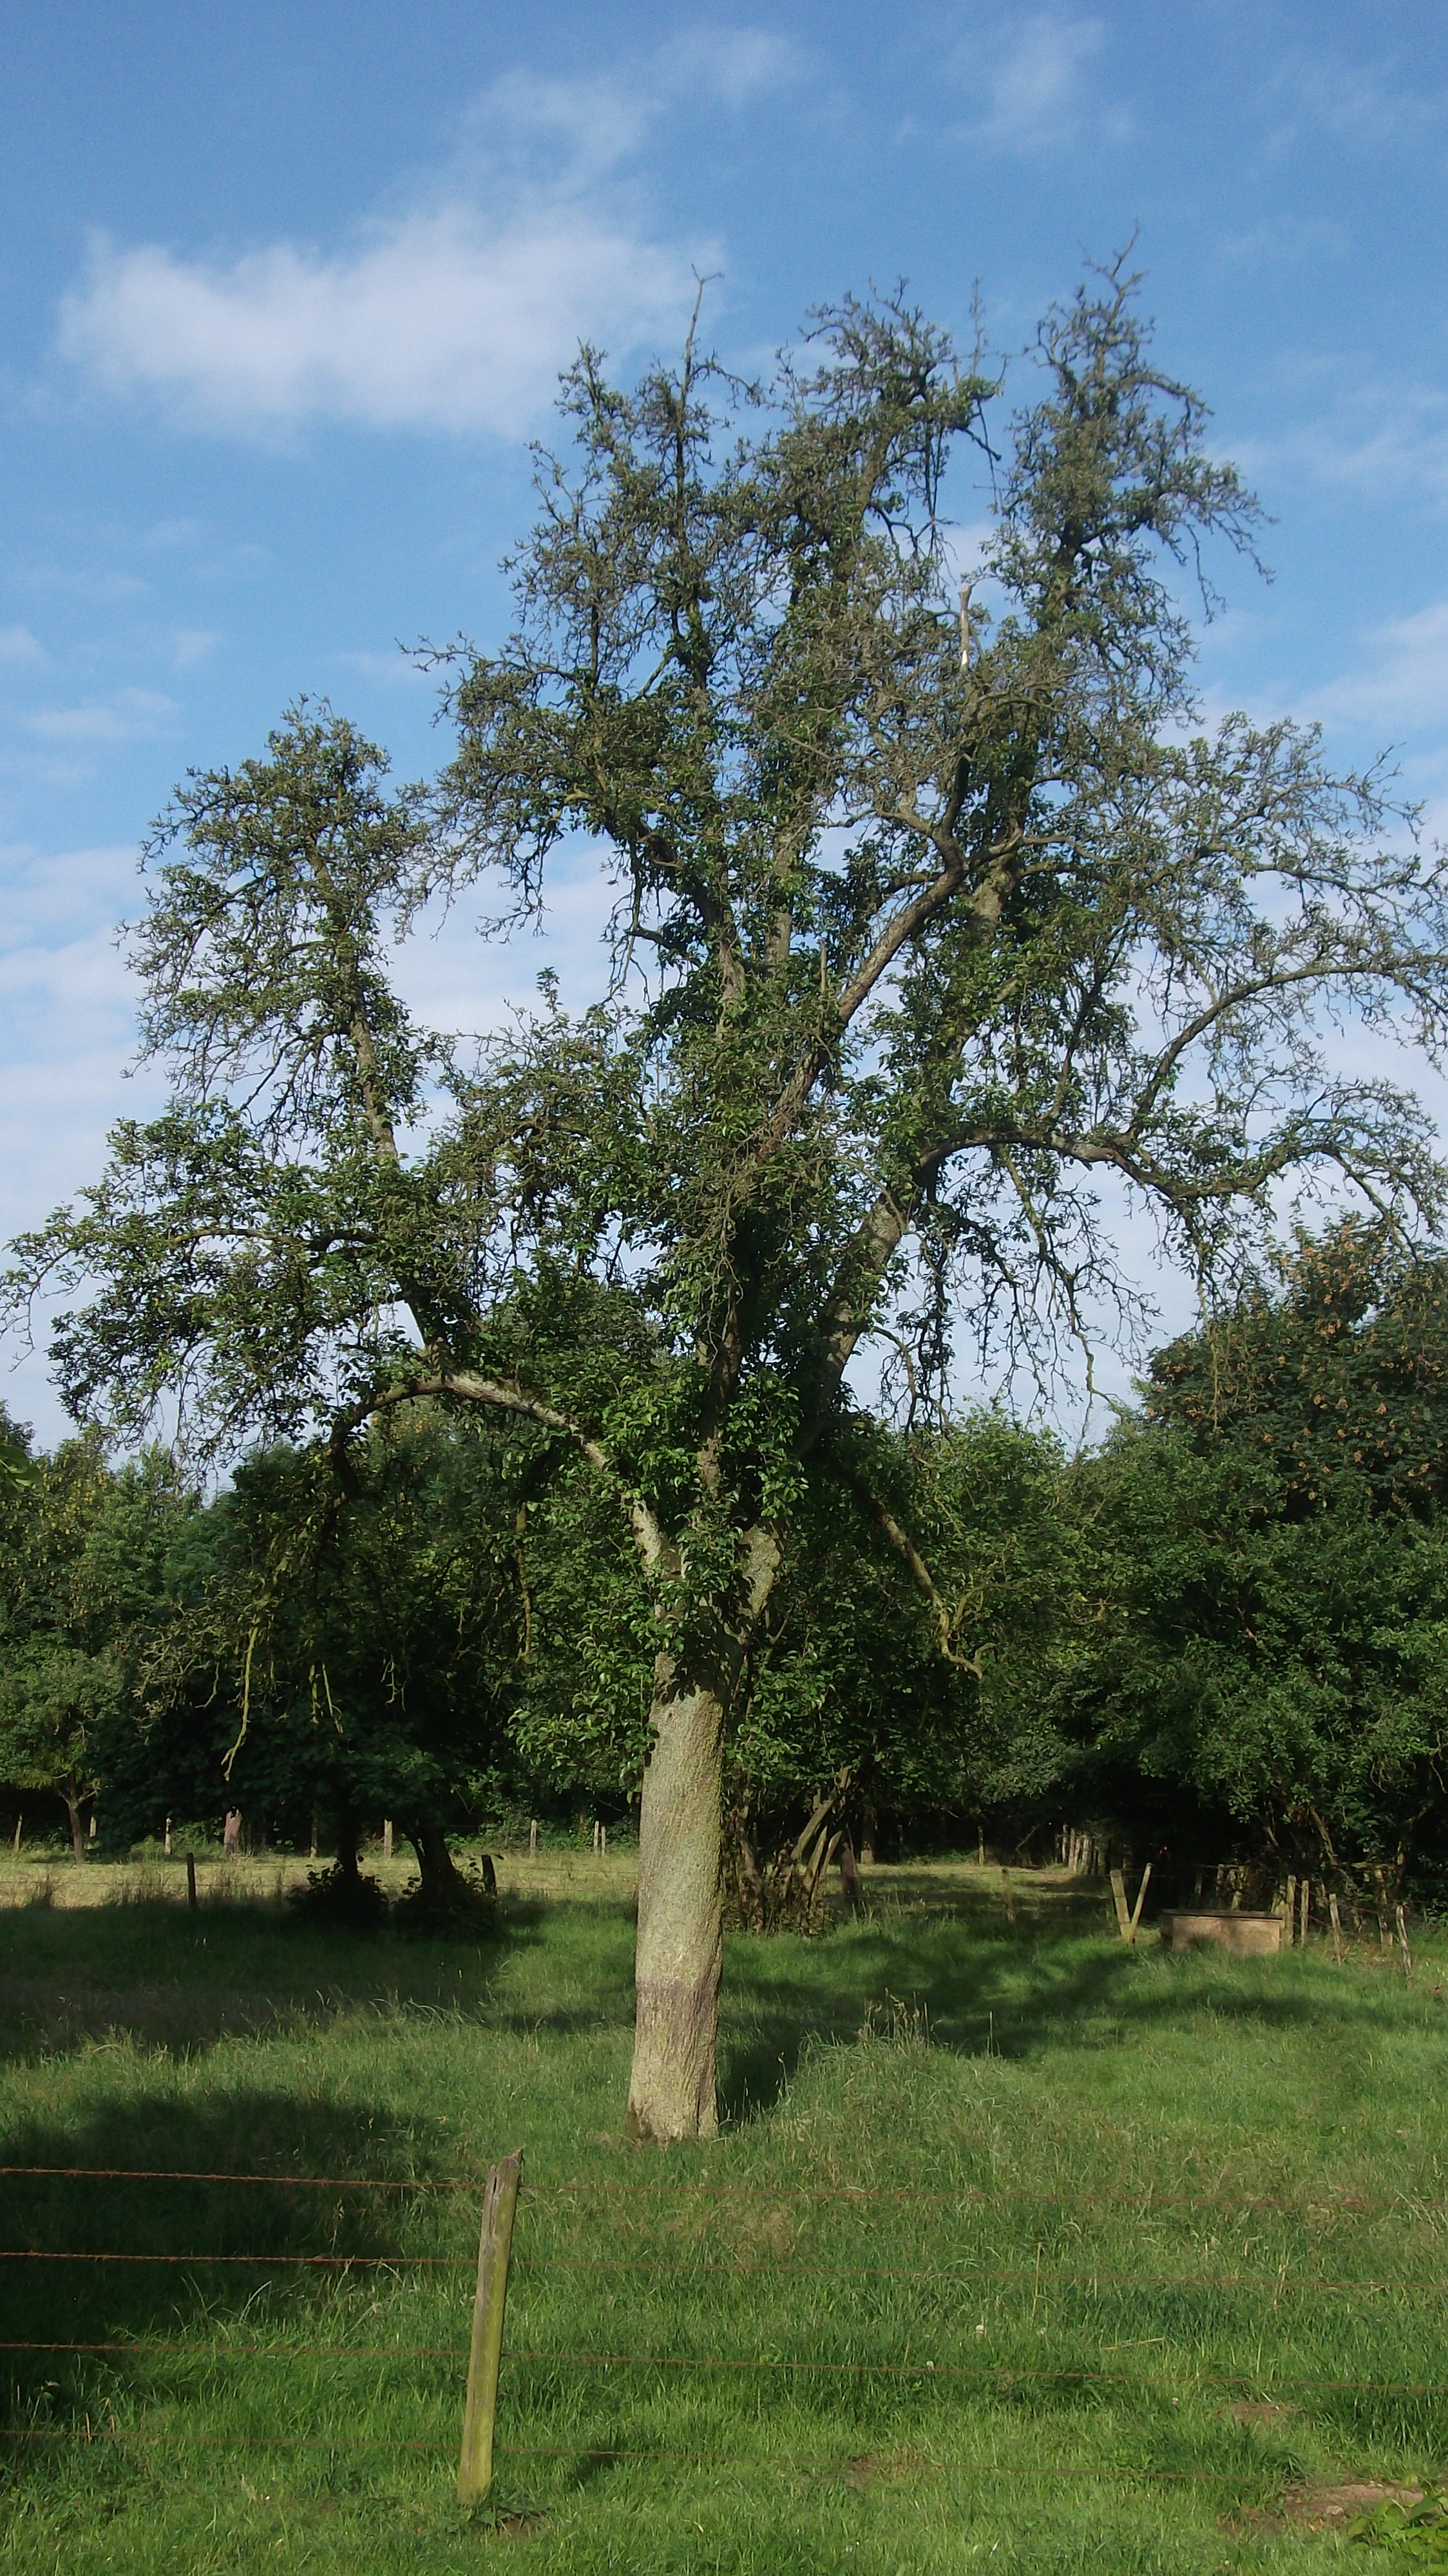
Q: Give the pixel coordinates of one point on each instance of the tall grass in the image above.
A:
(1019, 2248)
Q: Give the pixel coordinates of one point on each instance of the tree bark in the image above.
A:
(440, 1880)
(77, 1838)
(680, 1942)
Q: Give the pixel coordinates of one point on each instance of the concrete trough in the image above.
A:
(1247, 1936)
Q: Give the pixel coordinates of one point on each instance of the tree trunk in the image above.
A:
(680, 1946)
(77, 1838)
(440, 1881)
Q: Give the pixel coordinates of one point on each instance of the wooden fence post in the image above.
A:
(480, 2414)
(1402, 1922)
(1140, 1901)
(1291, 1912)
(1123, 1911)
(191, 1880)
(1332, 1907)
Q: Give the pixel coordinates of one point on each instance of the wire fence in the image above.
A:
(1002, 2378)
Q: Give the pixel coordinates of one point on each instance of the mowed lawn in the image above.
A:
(1020, 2250)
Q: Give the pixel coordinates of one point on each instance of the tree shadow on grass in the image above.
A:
(999, 1991)
(168, 1980)
(197, 2212)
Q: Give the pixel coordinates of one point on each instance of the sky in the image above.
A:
(285, 291)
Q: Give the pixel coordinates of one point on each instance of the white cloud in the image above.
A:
(394, 670)
(1404, 682)
(1373, 105)
(20, 649)
(737, 64)
(457, 313)
(440, 322)
(1287, 241)
(1031, 82)
(67, 1029)
(130, 715)
(190, 645)
(1358, 432)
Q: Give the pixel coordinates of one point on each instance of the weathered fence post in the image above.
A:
(1402, 1922)
(1118, 1899)
(532, 1838)
(1332, 1907)
(1140, 1901)
(480, 2414)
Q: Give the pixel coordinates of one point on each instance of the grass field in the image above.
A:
(1020, 2249)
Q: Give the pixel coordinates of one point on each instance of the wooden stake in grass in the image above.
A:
(1291, 1911)
(1140, 1901)
(480, 2415)
(1332, 1907)
(1304, 1911)
(532, 1838)
(1123, 1911)
(18, 1823)
(191, 1880)
(1402, 1922)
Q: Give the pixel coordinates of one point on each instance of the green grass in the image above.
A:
(1136, 2211)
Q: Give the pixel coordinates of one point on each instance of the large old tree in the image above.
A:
(932, 912)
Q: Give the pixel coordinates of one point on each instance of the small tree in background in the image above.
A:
(931, 913)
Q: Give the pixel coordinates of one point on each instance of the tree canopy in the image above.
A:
(935, 906)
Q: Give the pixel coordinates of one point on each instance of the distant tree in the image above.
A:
(354, 1652)
(1274, 1643)
(92, 1570)
(933, 911)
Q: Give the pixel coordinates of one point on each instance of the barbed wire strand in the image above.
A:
(1003, 2371)
(788, 2463)
(1278, 2282)
(841, 2194)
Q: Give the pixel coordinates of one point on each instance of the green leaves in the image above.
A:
(16, 1470)
(1416, 2534)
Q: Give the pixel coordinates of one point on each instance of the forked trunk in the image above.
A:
(441, 1883)
(680, 1944)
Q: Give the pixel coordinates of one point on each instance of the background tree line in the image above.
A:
(1221, 1635)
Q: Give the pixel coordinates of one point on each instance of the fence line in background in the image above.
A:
(1276, 2281)
(1003, 2372)
(839, 2194)
(786, 2463)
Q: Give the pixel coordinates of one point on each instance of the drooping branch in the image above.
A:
(472, 1387)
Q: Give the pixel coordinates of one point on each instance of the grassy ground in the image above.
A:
(1020, 2250)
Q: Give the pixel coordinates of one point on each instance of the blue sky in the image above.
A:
(285, 290)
